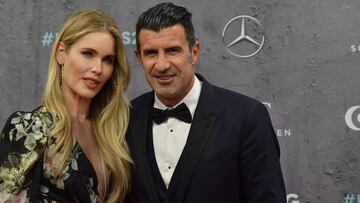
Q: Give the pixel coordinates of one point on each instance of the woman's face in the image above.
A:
(87, 65)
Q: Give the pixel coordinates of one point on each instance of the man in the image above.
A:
(191, 141)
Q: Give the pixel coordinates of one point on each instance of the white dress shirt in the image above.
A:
(169, 137)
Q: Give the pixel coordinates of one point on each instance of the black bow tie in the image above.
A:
(181, 112)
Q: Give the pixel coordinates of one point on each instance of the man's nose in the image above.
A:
(162, 63)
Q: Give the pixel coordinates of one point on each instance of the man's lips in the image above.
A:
(164, 79)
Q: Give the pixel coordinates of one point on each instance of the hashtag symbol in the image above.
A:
(349, 198)
(47, 38)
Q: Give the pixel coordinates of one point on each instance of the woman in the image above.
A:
(72, 148)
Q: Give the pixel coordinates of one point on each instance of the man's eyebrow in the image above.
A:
(149, 50)
(174, 47)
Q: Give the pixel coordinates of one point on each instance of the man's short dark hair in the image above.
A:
(165, 15)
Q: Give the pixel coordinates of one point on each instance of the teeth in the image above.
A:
(164, 77)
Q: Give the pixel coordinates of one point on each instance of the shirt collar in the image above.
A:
(191, 99)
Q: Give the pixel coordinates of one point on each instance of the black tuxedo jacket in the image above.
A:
(231, 154)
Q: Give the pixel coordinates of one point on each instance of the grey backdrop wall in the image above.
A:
(307, 74)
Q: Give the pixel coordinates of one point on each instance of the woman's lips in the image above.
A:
(91, 83)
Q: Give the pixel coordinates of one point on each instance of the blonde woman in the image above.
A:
(72, 148)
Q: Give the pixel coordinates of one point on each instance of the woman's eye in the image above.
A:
(109, 60)
(87, 53)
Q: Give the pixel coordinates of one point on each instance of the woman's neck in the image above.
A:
(77, 106)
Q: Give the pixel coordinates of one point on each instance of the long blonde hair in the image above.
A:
(109, 109)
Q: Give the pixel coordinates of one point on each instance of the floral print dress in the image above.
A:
(25, 163)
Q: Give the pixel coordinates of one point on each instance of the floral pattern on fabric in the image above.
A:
(26, 173)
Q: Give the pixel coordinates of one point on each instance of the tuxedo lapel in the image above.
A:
(201, 127)
(191, 154)
(139, 133)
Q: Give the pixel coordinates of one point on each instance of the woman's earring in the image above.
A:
(62, 74)
(115, 85)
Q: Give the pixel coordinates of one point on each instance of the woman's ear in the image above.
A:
(60, 53)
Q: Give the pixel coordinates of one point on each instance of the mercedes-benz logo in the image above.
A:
(243, 36)
(352, 118)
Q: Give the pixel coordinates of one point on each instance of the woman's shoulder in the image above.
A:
(38, 115)
(22, 141)
(37, 112)
(23, 124)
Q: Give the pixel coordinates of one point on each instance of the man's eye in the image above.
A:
(173, 51)
(150, 53)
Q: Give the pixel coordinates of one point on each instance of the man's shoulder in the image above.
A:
(231, 96)
(224, 95)
(226, 100)
(142, 99)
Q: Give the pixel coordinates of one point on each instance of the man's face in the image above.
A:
(168, 62)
